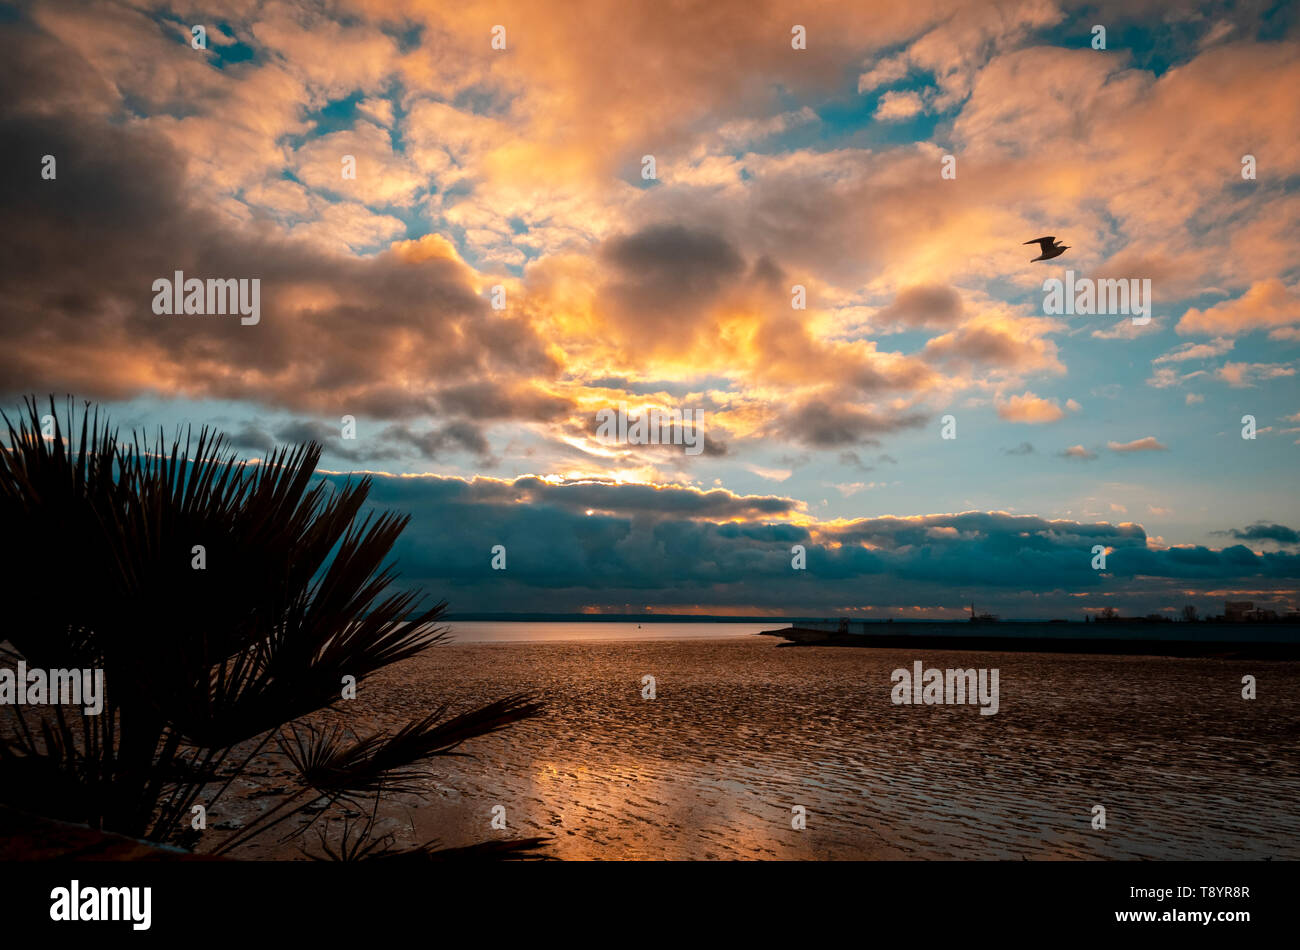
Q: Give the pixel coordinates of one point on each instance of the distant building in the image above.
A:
(1245, 611)
(1237, 609)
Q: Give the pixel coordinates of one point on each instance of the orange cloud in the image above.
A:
(1268, 303)
(1241, 375)
(1148, 444)
(1030, 408)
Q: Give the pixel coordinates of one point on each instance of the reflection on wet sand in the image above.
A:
(744, 729)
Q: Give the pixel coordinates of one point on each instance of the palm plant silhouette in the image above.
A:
(205, 669)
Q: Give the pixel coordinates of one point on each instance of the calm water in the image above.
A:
(491, 631)
(744, 728)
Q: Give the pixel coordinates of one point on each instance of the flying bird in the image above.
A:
(1049, 248)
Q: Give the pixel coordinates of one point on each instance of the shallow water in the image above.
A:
(744, 728)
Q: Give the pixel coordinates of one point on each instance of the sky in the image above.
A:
(503, 266)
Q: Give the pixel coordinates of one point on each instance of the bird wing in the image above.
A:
(1044, 241)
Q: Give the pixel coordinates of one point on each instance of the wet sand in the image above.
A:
(743, 729)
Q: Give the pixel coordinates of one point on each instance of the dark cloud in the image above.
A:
(673, 439)
(644, 545)
(904, 374)
(650, 500)
(923, 306)
(251, 437)
(983, 345)
(439, 440)
(715, 448)
(489, 400)
(1260, 531)
(669, 271)
(820, 424)
(369, 444)
(1024, 448)
(331, 438)
(42, 78)
(768, 274)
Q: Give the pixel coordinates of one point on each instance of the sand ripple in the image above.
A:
(743, 729)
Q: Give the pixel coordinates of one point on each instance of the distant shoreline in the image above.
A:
(777, 618)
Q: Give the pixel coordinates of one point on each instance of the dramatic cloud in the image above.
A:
(326, 340)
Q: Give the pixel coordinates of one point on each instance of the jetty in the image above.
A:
(1227, 640)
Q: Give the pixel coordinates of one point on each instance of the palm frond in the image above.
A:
(296, 592)
(332, 762)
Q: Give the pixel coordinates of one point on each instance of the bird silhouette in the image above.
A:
(1049, 248)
